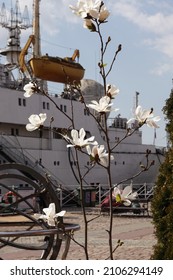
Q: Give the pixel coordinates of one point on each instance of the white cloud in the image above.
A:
(54, 14)
(155, 20)
(161, 69)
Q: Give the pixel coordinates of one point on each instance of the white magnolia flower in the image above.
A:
(36, 121)
(102, 106)
(99, 155)
(89, 25)
(79, 9)
(94, 8)
(50, 215)
(78, 139)
(30, 89)
(104, 14)
(145, 116)
(125, 196)
(112, 91)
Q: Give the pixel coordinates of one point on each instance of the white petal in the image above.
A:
(82, 133)
(74, 134)
(104, 161)
(101, 149)
(95, 102)
(70, 145)
(51, 222)
(92, 106)
(88, 148)
(28, 93)
(40, 216)
(31, 127)
(28, 86)
(37, 216)
(104, 15)
(133, 196)
(95, 143)
(60, 214)
(127, 191)
(131, 120)
(50, 210)
(127, 202)
(43, 117)
(157, 118)
(116, 191)
(138, 110)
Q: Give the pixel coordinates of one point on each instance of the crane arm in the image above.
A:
(24, 52)
(73, 57)
(75, 54)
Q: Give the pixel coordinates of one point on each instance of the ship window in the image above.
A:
(123, 162)
(47, 106)
(44, 105)
(115, 162)
(63, 108)
(86, 112)
(19, 101)
(12, 131)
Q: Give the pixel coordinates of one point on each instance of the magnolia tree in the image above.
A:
(93, 14)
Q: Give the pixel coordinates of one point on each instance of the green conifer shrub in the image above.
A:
(162, 202)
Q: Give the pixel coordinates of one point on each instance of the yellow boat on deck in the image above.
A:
(48, 68)
(56, 69)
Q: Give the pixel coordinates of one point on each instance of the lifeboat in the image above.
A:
(48, 68)
(56, 69)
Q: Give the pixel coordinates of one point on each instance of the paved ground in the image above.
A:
(135, 232)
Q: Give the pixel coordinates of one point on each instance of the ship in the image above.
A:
(46, 150)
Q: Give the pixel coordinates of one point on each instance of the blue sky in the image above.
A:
(145, 30)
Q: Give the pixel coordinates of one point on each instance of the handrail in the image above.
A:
(20, 155)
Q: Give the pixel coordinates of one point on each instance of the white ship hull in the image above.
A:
(50, 153)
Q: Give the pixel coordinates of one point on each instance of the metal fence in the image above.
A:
(70, 195)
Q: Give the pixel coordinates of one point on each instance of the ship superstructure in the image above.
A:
(46, 151)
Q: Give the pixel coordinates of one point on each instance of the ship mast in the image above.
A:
(15, 24)
(36, 28)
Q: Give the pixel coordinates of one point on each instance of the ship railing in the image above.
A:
(17, 154)
(67, 197)
(70, 195)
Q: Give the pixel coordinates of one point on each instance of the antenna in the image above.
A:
(3, 16)
(136, 101)
(14, 24)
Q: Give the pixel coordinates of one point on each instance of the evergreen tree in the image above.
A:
(162, 203)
